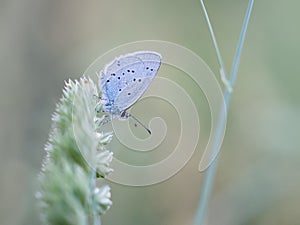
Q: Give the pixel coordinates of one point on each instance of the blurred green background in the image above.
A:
(42, 43)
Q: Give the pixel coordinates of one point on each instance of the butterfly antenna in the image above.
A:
(129, 115)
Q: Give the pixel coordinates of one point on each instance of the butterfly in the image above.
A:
(124, 81)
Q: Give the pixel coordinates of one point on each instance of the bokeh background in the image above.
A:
(43, 43)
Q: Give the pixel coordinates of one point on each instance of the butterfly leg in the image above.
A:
(103, 120)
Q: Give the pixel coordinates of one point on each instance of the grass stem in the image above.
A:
(211, 171)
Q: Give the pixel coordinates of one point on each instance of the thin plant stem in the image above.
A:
(240, 44)
(223, 72)
(211, 171)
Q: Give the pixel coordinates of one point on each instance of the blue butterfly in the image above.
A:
(124, 81)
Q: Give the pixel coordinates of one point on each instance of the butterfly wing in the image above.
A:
(115, 77)
(139, 82)
(125, 79)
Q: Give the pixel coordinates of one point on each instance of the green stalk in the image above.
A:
(210, 173)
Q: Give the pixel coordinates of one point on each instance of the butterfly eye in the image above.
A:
(129, 93)
(140, 80)
(134, 79)
(119, 78)
(107, 81)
